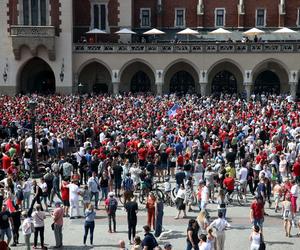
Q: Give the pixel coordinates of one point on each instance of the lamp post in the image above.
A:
(32, 106)
(80, 89)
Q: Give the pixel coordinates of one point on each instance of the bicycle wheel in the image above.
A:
(240, 199)
(142, 199)
(159, 193)
(174, 192)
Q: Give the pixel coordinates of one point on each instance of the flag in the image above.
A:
(173, 111)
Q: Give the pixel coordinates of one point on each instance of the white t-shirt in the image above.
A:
(74, 190)
(204, 194)
(243, 173)
(38, 218)
(295, 190)
(44, 187)
(204, 246)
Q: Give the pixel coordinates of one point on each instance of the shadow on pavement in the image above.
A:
(278, 243)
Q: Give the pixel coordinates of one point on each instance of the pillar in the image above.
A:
(293, 82)
(248, 89)
(200, 13)
(115, 81)
(248, 84)
(203, 82)
(159, 81)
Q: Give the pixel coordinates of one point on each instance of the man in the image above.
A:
(296, 170)
(131, 209)
(149, 242)
(204, 197)
(209, 180)
(168, 246)
(128, 188)
(94, 188)
(74, 199)
(257, 212)
(179, 177)
(55, 188)
(67, 169)
(228, 184)
(203, 245)
(5, 221)
(294, 197)
(243, 174)
(111, 205)
(117, 171)
(37, 196)
(220, 225)
(57, 216)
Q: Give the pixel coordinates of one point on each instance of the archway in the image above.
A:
(140, 82)
(181, 77)
(225, 76)
(96, 78)
(182, 82)
(224, 82)
(36, 77)
(267, 82)
(137, 77)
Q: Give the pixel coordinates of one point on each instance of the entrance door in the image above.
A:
(224, 82)
(267, 82)
(182, 82)
(140, 82)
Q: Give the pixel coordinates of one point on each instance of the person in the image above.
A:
(211, 239)
(65, 196)
(104, 185)
(202, 222)
(149, 242)
(150, 205)
(27, 229)
(168, 246)
(55, 188)
(255, 238)
(137, 245)
(203, 242)
(228, 185)
(294, 197)
(94, 188)
(257, 212)
(16, 219)
(287, 215)
(5, 221)
(89, 224)
(220, 225)
(132, 210)
(222, 203)
(38, 218)
(57, 215)
(180, 201)
(128, 188)
(74, 192)
(159, 213)
(27, 186)
(44, 188)
(86, 197)
(277, 193)
(111, 205)
(192, 239)
(204, 198)
(122, 245)
(37, 196)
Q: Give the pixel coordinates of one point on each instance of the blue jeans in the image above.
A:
(96, 194)
(190, 247)
(7, 232)
(89, 225)
(104, 191)
(258, 222)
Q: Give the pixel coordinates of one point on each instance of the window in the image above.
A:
(260, 18)
(298, 17)
(34, 12)
(179, 17)
(145, 16)
(219, 17)
(99, 14)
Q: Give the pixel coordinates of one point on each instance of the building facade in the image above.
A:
(44, 47)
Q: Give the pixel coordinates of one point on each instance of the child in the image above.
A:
(221, 203)
(86, 197)
(277, 193)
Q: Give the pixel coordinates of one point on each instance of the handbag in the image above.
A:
(262, 245)
(52, 226)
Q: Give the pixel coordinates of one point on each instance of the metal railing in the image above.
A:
(211, 47)
(32, 31)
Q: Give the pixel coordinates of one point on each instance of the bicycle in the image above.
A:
(144, 192)
(237, 195)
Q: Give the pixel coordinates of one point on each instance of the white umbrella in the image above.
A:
(125, 31)
(154, 32)
(96, 31)
(284, 30)
(220, 31)
(253, 32)
(188, 32)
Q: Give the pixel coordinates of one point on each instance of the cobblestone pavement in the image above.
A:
(236, 238)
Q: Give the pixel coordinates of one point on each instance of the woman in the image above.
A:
(137, 243)
(189, 193)
(202, 222)
(38, 218)
(180, 201)
(192, 240)
(221, 203)
(255, 238)
(287, 215)
(65, 194)
(104, 185)
(211, 239)
(150, 205)
(89, 224)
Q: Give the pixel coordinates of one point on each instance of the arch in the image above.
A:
(36, 76)
(131, 71)
(225, 76)
(136, 60)
(95, 76)
(267, 82)
(275, 66)
(181, 76)
(83, 65)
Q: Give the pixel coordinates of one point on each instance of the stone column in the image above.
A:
(248, 89)
(115, 79)
(203, 82)
(293, 82)
(159, 81)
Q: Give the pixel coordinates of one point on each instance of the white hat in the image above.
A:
(111, 194)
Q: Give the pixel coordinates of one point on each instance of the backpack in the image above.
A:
(128, 184)
(112, 206)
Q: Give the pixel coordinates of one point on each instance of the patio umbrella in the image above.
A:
(188, 32)
(96, 31)
(285, 31)
(221, 31)
(125, 31)
(253, 32)
(154, 32)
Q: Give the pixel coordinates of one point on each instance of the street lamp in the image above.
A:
(80, 91)
(32, 106)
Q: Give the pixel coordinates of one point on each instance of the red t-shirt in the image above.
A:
(296, 168)
(257, 209)
(6, 161)
(64, 193)
(229, 183)
(142, 153)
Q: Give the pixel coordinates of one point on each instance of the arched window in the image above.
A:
(140, 82)
(224, 82)
(182, 82)
(267, 82)
(34, 12)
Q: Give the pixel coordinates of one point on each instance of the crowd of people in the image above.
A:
(210, 147)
